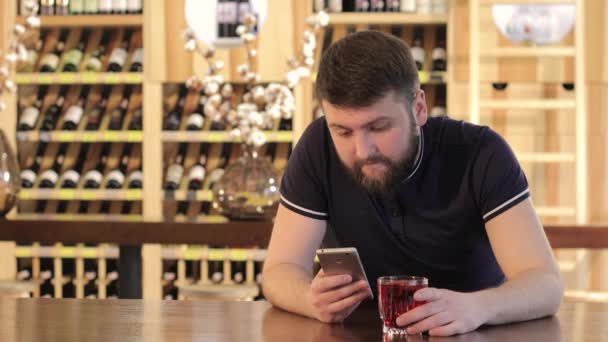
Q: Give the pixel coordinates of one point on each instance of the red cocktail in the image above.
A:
(395, 297)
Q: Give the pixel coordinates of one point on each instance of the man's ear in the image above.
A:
(420, 108)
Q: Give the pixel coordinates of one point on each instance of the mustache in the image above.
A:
(373, 160)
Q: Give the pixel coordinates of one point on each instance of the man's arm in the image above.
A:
(533, 288)
(287, 276)
(288, 266)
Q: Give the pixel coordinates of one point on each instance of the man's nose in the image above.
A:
(364, 147)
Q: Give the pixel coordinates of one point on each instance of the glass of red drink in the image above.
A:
(395, 297)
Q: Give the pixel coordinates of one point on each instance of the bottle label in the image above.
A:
(50, 175)
(119, 5)
(408, 5)
(93, 64)
(105, 5)
(76, 6)
(90, 6)
(174, 173)
(138, 56)
(197, 172)
(136, 176)
(73, 56)
(116, 176)
(28, 175)
(72, 176)
(244, 9)
(230, 12)
(418, 54)
(94, 176)
(134, 5)
(29, 116)
(335, 5)
(438, 53)
(74, 114)
(51, 60)
(118, 56)
(196, 120)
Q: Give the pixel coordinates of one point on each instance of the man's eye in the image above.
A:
(380, 127)
(343, 132)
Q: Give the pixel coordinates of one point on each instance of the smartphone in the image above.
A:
(342, 261)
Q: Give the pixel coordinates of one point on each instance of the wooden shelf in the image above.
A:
(218, 137)
(110, 252)
(525, 2)
(425, 77)
(80, 194)
(540, 104)
(82, 78)
(80, 136)
(213, 254)
(555, 211)
(88, 20)
(546, 157)
(386, 18)
(188, 195)
(529, 51)
(79, 217)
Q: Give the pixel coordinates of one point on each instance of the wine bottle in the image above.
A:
(93, 178)
(74, 113)
(378, 6)
(182, 208)
(196, 120)
(118, 114)
(136, 120)
(218, 172)
(440, 100)
(361, 5)
(137, 60)
(134, 6)
(50, 61)
(105, 6)
(335, 6)
(244, 8)
(95, 116)
(71, 178)
(173, 120)
(119, 55)
(47, 7)
(91, 6)
(216, 271)
(76, 7)
(112, 287)
(169, 289)
(220, 14)
(196, 176)
(29, 65)
(47, 290)
(49, 178)
(72, 58)
(62, 7)
(29, 116)
(417, 50)
(52, 113)
(438, 54)
(238, 271)
(231, 17)
(116, 177)
(176, 170)
(94, 63)
(393, 6)
(119, 6)
(28, 176)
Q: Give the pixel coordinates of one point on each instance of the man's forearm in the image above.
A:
(287, 286)
(529, 295)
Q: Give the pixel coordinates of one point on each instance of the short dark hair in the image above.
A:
(363, 67)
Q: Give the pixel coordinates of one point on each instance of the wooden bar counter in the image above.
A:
(138, 320)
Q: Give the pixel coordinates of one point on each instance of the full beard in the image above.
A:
(395, 171)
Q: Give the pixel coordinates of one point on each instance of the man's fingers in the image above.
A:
(348, 302)
(326, 283)
(343, 292)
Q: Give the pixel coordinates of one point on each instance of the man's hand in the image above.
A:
(335, 297)
(445, 313)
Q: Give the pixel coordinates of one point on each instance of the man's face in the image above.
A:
(377, 144)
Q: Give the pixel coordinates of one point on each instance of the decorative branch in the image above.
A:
(17, 51)
(260, 105)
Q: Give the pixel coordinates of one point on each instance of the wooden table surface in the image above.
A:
(69, 320)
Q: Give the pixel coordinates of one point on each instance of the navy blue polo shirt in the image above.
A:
(433, 223)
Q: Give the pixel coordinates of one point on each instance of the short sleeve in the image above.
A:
(498, 180)
(302, 190)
